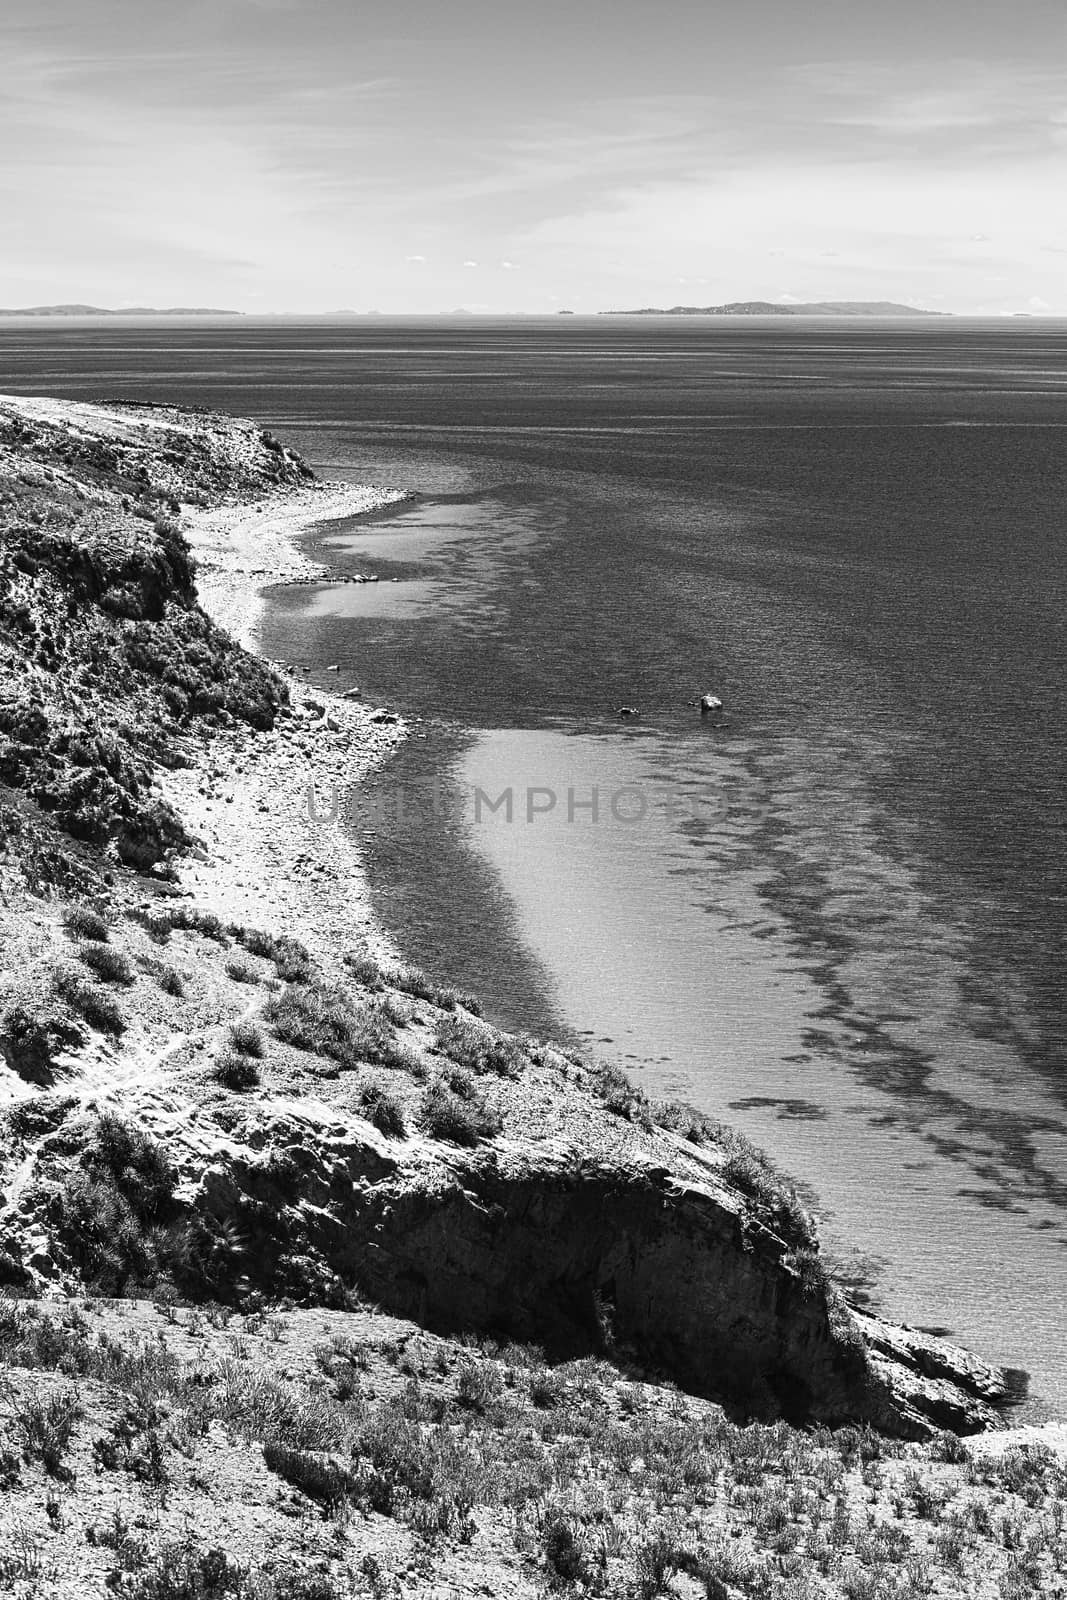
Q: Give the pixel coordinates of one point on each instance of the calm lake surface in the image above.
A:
(835, 919)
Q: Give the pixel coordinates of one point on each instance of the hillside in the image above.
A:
(317, 1284)
(777, 308)
(120, 311)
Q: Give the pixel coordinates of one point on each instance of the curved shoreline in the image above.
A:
(260, 804)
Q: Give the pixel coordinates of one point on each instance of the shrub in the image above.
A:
(96, 1006)
(314, 1475)
(135, 1161)
(107, 962)
(478, 1047)
(324, 1021)
(82, 922)
(364, 970)
(444, 1116)
(31, 1041)
(246, 1038)
(479, 1385)
(621, 1097)
(409, 980)
(46, 1427)
(291, 961)
(779, 1206)
(185, 1571)
(241, 971)
(235, 1071)
(172, 982)
(384, 1110)
(562, 1543)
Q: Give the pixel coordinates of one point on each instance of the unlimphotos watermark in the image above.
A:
(519, 804)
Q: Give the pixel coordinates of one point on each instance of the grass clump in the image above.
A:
(444, 1115)
(383, 1110)
(241, 971)
(479, 1048)
(107, 963)
(172, 982)
(314, 1475)
(31, 1041)
(324, 1021)
(778, 1206)
(246, 1039)
(46, 1427)
(82, 922)
(93, 1004)
(291, 960)
(116, 1212)
(364, 970)
(234, 1070)
(412, 981)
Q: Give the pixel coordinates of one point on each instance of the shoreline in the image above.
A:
(261, 856)
(316, 884)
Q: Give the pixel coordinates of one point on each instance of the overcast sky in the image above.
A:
(418, 155)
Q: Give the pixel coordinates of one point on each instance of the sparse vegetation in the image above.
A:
(95, 1005)
(45, 1425)
(242, 971)
(615, 1485)
(444, 1115)
(107, 963)
(479, 1048)
(32, 1040)
(410, 980)
(326, 1021)
(82, 922)
(235, 1070)
(246, 1039)
(117, 1216)
(383, 1109)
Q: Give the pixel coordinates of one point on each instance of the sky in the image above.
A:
(425, 155)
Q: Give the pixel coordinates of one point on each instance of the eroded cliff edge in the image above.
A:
(219, 1101)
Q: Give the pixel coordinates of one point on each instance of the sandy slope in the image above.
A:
(266, 860)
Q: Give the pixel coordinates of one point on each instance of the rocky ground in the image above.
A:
(234, 1127)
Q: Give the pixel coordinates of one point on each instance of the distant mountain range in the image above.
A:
(121, 311)
(775, 308)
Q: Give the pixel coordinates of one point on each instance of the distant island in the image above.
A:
(120, 311)
(775, 308)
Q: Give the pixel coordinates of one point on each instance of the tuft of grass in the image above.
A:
(465, 1122)
(241, 971)
(383, 1109)
(246, 1039)
(291, 960)
(172, 982)
(107, 963)
(46, 1426)
(82, 922)
(412, 981)
(95, 1005)
(30, 1041)
(364, 970)
(317, 1476)
(325, 1021)
(479, 1048)
(234, 1070)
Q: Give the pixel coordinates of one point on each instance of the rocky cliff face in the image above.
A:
(198, 1107)
(555, 1245)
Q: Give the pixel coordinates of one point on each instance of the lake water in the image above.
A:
(837, 917)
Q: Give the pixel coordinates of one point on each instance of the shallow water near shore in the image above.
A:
(836, 919)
